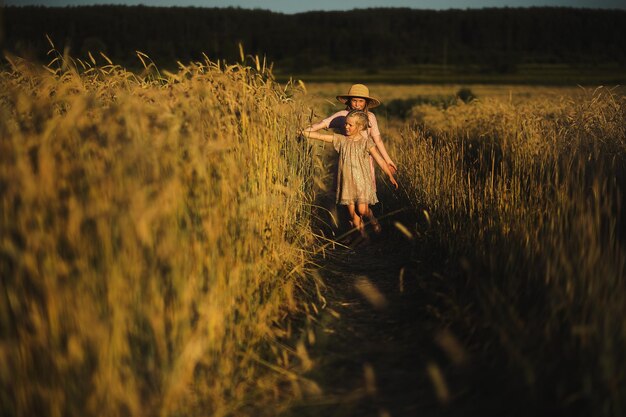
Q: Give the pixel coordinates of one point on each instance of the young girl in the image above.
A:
(358, 98)
(355, 185)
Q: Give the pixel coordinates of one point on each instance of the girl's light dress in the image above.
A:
(337, 122)
(355, 184)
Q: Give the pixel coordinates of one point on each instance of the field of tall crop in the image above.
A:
(155, 235)
(523, 199)
(151, 235)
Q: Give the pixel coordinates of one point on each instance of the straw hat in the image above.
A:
(361, 91)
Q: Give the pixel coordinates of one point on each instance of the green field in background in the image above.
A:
(557, 74)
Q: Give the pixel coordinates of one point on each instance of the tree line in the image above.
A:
(493, 39)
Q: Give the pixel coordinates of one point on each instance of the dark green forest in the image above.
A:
(496, 40)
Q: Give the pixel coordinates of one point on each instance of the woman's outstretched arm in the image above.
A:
(317, 126)
(325, 123)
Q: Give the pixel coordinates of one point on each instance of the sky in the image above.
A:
(297, 6)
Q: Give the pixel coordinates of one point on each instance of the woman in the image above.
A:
(358, 98)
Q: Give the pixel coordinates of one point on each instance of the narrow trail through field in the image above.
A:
(379, 349)
(374, 338)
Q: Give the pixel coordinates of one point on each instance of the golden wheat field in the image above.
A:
(153, 229)
(156, 234)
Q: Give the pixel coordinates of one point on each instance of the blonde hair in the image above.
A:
(361, 117)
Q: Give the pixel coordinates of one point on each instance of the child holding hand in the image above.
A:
(355, 182)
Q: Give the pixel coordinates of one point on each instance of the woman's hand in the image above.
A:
(392, 167)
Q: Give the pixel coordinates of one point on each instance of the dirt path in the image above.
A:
(371, 359)
(377, 349)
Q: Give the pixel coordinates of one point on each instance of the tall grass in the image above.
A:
(527, 198)
(150, 228)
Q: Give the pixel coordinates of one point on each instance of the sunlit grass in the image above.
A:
(152, 228)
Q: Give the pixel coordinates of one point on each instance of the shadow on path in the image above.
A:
(377, 346)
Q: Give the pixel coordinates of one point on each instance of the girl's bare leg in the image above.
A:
(363, 211)
(356, 218)
(366, 212)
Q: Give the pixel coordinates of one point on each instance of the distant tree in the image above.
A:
(494, 40)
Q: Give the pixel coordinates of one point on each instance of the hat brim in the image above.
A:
(371, 101)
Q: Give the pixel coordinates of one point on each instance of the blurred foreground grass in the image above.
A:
(151, 239)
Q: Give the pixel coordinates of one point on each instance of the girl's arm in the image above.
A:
(307, 133)
(385, 167)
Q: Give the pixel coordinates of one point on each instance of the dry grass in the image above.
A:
(152, 226)
(151, 234)
(527, 196)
